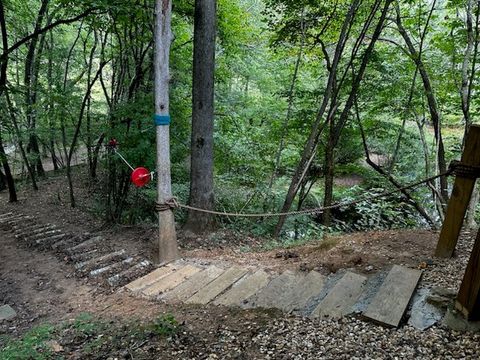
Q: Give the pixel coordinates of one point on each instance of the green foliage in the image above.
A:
(165, 325)
(32, 345)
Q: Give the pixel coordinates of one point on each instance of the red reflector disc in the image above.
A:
(140, 177)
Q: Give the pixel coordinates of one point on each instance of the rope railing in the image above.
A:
(173, 203)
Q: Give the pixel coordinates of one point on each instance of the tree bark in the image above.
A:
(319, 124)
(201, 173)
(431, 100)
(166, 249)
(3, 83)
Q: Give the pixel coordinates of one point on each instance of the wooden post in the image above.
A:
(468, 298)
(166, 250)
(460, 198)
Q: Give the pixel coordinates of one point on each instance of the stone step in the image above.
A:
(147, 280)
(170, 281)
(103, 260)
(243, 289)
(340, 299)
(115, 267)
(217, 286)
(130, 274)
(269, 296)
(191, 286)
(389, 304)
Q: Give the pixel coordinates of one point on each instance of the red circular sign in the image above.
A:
(140, 177)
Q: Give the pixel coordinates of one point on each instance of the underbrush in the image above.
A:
(87, 337)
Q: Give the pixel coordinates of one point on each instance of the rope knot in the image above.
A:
(170, 204)
(463, 170)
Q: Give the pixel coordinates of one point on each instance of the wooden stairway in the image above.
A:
(307, 294)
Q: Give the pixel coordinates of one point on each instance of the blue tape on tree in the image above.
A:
(161, 120)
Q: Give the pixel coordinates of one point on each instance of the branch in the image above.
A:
(44, 29)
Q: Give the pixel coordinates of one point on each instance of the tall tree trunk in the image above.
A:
(431, 100)
(31, 75)
(290, 97)
(79, 123)
(319, 124)
(166, 249)
(3, 181)
(201, 173)
(3, 84)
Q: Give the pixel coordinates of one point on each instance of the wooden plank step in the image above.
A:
(391, 300)
(85, 244)
(42, 234)
(170, 281)
(297, 297)
(127, 274)
(5, 215)
(50, 239)
(269, 296)
(217, 286)
(112, 267)
(23, 233)
(6, 219)
(243, 289)
(66, 243)
(84, 256)
(341, 298)
(104, 259)
(18, 219)
(190, 287)
(150, 278)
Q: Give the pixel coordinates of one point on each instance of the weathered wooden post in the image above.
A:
(460, 198)
(468, 298)
(166, 250)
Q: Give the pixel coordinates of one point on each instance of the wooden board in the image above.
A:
(460, 197)
(297, 298)
(198, 281)
(150, 278)
(341, 298)
(270, 295)
(243, 289)
(468, 299)
(217, 286)
(170, 281)
(391, 300)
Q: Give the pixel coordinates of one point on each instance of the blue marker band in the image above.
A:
(161, 120)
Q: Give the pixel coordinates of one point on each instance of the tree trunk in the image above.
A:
(31, 76)
(166, 249)
(201, 175)
(432, 104)
(319, 124)
(8, 173)
(3, 83)
(3, 181)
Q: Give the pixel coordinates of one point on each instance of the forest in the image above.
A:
(315, 103)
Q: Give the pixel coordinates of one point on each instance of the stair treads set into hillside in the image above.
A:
(302, 293)
(90, 254)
